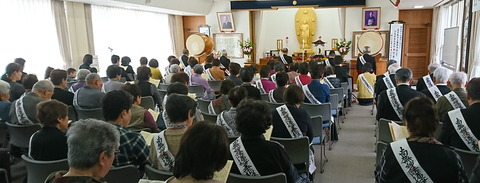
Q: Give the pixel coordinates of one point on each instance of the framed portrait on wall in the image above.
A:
(371, 18)
(225, 21)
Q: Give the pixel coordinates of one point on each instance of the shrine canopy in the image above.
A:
(252, 5)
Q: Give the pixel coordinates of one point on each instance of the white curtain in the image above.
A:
(62, 31)
(130, 33)
(474, 60)
(440, 22)
(28, 31)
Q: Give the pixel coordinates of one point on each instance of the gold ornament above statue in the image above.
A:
(305, 27)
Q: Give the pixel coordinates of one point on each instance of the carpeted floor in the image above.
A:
(352, 158)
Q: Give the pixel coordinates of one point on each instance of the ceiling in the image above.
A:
(408, 4)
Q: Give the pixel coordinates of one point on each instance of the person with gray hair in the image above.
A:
(224, 60)
(399, 96)
(440, 78)
(174, 68)
(197, 79)
(383, 83)
(421, 81)
(4, 102)
(24, 109)
(81, 75)
(92, 145)
(366, 58)
(90, 96)
(456, 82)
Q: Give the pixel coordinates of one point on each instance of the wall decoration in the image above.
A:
(229, 42)
(225, 21)
(204, 29)
(371, 18)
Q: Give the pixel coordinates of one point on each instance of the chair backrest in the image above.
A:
(163, 86)
(210, 117)
(197, 89)
(155, 174)
(131, 76)
(124, 174)
(264, 96)
(20, 134)
(274, 105)
(469, 158)
(90, 113)
(317, 129)
(384, 133)
(297, 149)
(203, 105)
(277, 178)
(334, 98)
(123, 79)
(215, 85)
(69, 84)
(162, 93)
(438, 130)
(148, 103)
(339, 92)
(3, 176)
(38, 171)
(72, 114)
(323, 110)
(380, 147)
(350, 82)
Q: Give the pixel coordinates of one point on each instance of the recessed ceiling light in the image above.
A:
(418, 6)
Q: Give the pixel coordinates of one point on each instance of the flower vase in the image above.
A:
(247, 58)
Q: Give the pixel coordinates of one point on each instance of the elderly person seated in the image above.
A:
(440, 79)
(316, 92)
(133, 150)
(226, 119)
(221, 103)
(59, 80)
(28, 81)
(141, 118)
(420, 156)
(81, 75)
(89, 96)
(4, 102)
(366, 82)
(114, 74)
(50, 142)
(332, 79)
(247, 73)
(234, 73)
(197, 79)
(89, 158)
(421, 81)
(457, 98)
(24, 110)
(147, 88)
(181, 110)
(264, 85)
(173, 69)
(253, 119)
(13, 74)
(215, 71)
(303, 78)
(192, 165)
(276, 96)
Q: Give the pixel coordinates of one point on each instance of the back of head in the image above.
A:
(264, 71)
(4, 88)
(57, 76)
(281, 79)
(114, 102)
(224, 53)
(43, 85)
(253, 117)
(317, 72)
(246, 74)
(473, 89)
(209, 59)
(153, 63)
(294, 95)
(390, 62)
(403, 75)
(91, 78)
(234, 68)
(180, 107)
(143, 73)
(216, 62)
(29, 81)
(285, 50)
(303, 68)
(169, 58)
(133, 89)
(20, 61)
(331, 53)
(84, 145)
(175, 61)
(115, 59)
(174, 68)
(392, 69)
(82, 74)
(70, 70)
(113, 71)
(126, 61)
(338, 60)
(433, 66)
(88, 59)
(441, 75)
(226, 86)
(294, 67)
(180, 77)
(201, 165)
(185, 52)
(143, 60)
(458, 78)
(192, 61)
(236, 95)
(329, 70)
(421, 117)
(367, 67)
(366, 50)
(279, 67)
(47, 72)
(178, 88)
(271, 64)
(50, 111)
(198, 69)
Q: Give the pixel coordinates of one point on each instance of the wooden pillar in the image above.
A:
(251, 27)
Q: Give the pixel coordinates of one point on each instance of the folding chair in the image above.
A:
(334, 108)
(297, 149)
(318, 139)
(155, 174)
(90, 113)
(277, 178)
(340, 92)
(203, 105)
(215, 85)
(72, 114)
(197, 89)
(380, 147)
(3, 176)
(163, 86)
(468, 159)
(124, 174)
(147, 102)
(210, 117)
(264, 97)
(274, 105)
(20, 134)
(384, 134)
(38, 171)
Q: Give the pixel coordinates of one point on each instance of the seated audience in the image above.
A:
(246, 73)
(114, 74)
(141, 118)
(281, 127)
(71, 75)
(89, 158)
(87, 61)
(429, 159)
(81, 75)
(147, 88)
(50, 142)
(208, 62)
(365, 83)
(234, 73)
(264, 85)
(4, 102)
(440, 78)
(330, 75)
(460, 126)
(341, 70)
(217, 73)
(226, 119)
(127, 68)
(133, 149)
(197, 79)
(165, 145)
(224, 60)
(191, 63)
(253, 119)
(143, 61)
(29, 81)
(156, 74)
(278, 67)
(13, 73)
(180, 77)
(421, 81)
(382, 83)
(221, 103)
(276, 96)
(271, 66)
(59, 80)
(316, 92)
(192, 165)
(292, 73)
(24, 110)
(457, 98)
(47, 72)
(303, 78)
(89, 96)
(21, 62)
(173, 70)
(184, 58)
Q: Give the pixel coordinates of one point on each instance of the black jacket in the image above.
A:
(63, 96)
(385, 109)
(341, 73)
(449, 135)
(225, 61)
(421, 84)
(184, 59)
(444, 89)
(368, 59)
(302, 118)
(380, 85)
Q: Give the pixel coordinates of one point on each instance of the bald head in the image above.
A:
(44, 89)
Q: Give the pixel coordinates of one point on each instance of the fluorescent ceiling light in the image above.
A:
(418, 6)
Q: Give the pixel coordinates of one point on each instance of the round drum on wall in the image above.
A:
(199, 44)
(372, 39)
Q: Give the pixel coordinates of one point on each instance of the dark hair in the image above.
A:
(293, 95)
(473, 89)
(47, 72)
(331, 53)
(246, 74)
(29, 81)
(20, 61)
(185, 51)
(48, 112)
(209, 59)
(113, 71)
(226, 86)
(70, 70)
(367, 67)
(175, 61)
(421, 117)
(281, 79)
(317, 72)
(179, 107)
(180, 77)
(253, 117)
(169, 58)
(93, 70)
(236, 95)
(192, 62)
(153, 63)
(115, 59)
(271, 64)
(143, 60)
(279, 67)
(216, 62)
(126, 60)
(338, 60)
(10, 69)
(178, 88)
(264, 71)
(294, 67)
(303, 68)
(143, 73)
(329, 70)
(57, 76)
(133, 90)
(114, 102)
(88, 59)
(403, 75)
(312, 64)
(201, 165)
(234, 68)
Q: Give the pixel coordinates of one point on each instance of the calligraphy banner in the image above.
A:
(396, 42)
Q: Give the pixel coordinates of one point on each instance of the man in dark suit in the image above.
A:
(366, 58)
(184, 57)
(449, 135)
(421, 83)
(403, 78)
(380, 85)
(226, 23)
(440, 77)
(286, 59)
(224, 59)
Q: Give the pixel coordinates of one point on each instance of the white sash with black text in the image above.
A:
(463, 130)
(395, 102)
(408, 162)
(309, 95)
(289, 121)
(366, 84)
(241, 158)
(454, 100)
(21, 114)
(166, 158)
